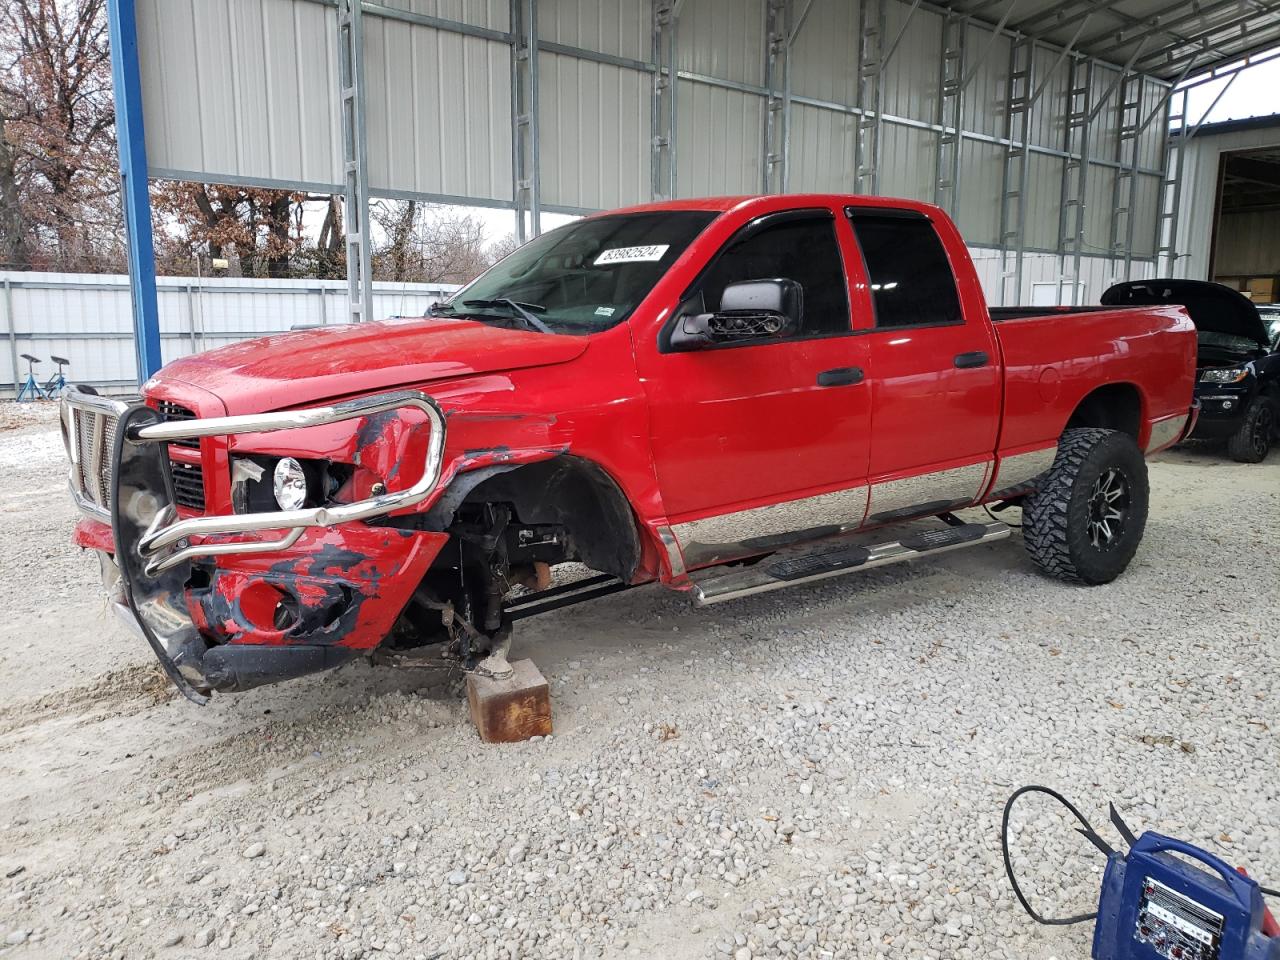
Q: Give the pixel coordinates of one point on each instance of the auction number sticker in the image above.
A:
(652, 253)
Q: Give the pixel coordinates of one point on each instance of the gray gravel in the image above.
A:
(816, 773)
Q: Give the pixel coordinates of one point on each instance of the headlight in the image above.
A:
(289, 482)
(1227, 375)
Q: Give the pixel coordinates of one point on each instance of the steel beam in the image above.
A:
(1243, 22)
(134, 197)
(662, 114)
(355, 160)
(1197, 10)
(525, 167)
(435, 23)
(1015, 178)
(951, 84)
(1124, 186)
(1086, 9)
(11, 330)
(1075, 176)
(870, 95)
(777, 81)
(1265, 40)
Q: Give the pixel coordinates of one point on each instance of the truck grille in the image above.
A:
(95, 437)
(173, 412)
(188, 484)
(188, 478)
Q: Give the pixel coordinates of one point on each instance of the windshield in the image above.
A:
(583, 277)
(1225, 341)
(1271, 317)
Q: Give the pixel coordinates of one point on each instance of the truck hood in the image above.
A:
(291, 369)
(1213, 307)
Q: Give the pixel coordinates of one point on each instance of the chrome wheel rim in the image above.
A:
(1108, 508)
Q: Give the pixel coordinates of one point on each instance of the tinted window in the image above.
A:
(802, 250)
(588, 275)
(910, 276)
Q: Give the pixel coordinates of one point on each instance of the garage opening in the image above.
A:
(1246, 244)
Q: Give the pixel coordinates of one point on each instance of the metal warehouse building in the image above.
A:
(1230, 230)
(1041, 125)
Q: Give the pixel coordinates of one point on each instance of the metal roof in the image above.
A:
(1170, 39)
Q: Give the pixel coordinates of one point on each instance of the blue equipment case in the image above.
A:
(1156, 906)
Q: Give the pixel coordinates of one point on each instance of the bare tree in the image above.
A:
(429, 244)
(259, 228)
(59, 195)
(503, 247)
(15, 251)
(330, 256)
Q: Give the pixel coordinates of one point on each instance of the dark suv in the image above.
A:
(1238, 364)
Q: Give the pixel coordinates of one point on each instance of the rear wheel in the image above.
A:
(1252, 442)
(1086, 520)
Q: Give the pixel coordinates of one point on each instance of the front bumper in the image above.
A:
(221, 608)
(1221, 412)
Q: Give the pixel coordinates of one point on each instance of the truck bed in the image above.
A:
(1050, 366)
(999, 314)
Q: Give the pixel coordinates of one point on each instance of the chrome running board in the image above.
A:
(832, 557)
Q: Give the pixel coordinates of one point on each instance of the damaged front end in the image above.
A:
(230, 602)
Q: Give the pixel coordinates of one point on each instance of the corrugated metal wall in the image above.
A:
(87, 318)
(439, 106)
(247, 90)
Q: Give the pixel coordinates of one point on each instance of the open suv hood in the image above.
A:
(1212, 307)
(291, 369)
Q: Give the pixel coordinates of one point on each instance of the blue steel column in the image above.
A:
(133, 184)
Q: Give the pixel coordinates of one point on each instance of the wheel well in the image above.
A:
(577, 495)
(1117, 406)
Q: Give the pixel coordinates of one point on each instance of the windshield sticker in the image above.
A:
(649, 254)
(604, 311)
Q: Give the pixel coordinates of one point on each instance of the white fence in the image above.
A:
(87, 318)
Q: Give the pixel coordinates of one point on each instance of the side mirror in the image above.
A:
(752, 310)
(763, 296)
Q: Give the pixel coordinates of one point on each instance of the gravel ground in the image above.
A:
(815, 773)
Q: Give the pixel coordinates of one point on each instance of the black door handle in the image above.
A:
(966, 361)
(840, 377)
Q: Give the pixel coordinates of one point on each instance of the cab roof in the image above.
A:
(746, 201)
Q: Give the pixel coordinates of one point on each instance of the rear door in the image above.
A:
(934, 370)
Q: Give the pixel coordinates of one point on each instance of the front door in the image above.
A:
(736, 427)
(934, 369)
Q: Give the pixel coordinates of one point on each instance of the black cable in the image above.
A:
(1015, 526)
(1088, 832)
(1008, 863)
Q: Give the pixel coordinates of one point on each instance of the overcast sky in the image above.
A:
(1255, 93)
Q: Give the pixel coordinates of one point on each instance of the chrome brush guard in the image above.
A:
(120, 474)
(94, 465)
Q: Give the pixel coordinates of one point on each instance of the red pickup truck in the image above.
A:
(723, 396)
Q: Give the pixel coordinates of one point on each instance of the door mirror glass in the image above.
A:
(752, 310)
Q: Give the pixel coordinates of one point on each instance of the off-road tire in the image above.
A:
(1252, 442)
(1057, 518)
